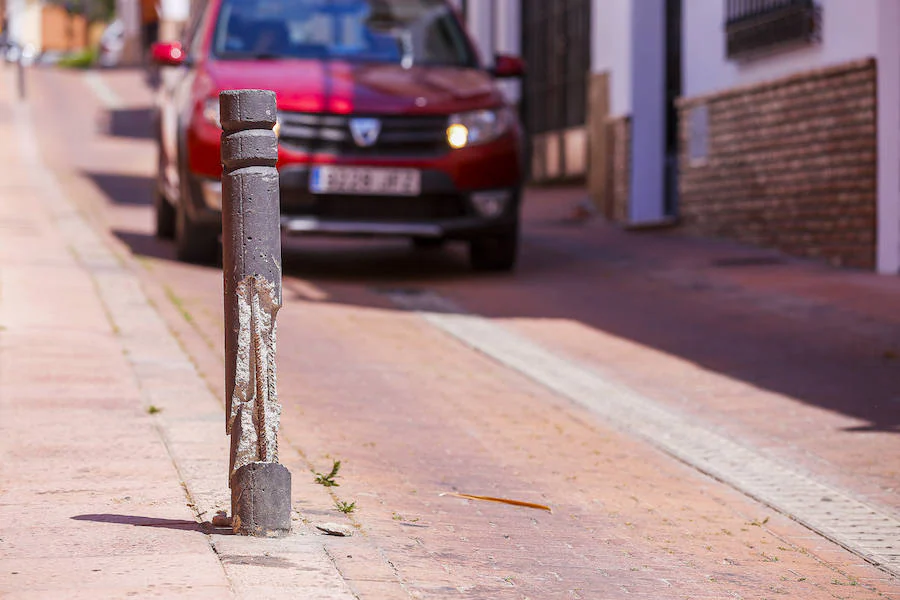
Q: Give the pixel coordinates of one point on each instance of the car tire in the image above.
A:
(428, 243)
(496, 252)
(163, 209)
(194, 242)
(165, 216)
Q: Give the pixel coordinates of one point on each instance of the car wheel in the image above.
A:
(165, 212)
(427, 243)
(496, 252)
(194, 242)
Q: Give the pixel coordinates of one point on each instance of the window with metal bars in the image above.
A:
(752, 26)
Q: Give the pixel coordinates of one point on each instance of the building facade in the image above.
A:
(773, 122)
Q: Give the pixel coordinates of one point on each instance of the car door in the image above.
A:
(176, 102)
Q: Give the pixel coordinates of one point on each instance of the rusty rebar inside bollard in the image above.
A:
(251, 240)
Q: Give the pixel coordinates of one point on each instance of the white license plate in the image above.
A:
(365, 180)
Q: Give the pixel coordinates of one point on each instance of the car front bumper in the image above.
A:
(461, 228)
(440, 211)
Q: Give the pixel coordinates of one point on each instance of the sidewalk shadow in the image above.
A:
(134, 123)
(142, 244)
(366, 261)
(124, 190)
(139, 521)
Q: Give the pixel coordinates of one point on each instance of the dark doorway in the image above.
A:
(673, 92)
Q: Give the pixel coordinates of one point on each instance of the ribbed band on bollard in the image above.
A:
(251, 239)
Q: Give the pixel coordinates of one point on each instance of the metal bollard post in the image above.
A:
(251, 239)
(20, 73)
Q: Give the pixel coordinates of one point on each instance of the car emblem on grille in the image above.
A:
(365, 131)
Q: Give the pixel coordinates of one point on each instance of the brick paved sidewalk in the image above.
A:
(412, 412)
(113, 448)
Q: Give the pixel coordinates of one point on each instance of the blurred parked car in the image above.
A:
(15, 53)
(388, 124)
(112, 42)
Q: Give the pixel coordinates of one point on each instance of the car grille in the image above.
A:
(330, 134)
(373, 208)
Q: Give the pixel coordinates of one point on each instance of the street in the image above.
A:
(427, 381)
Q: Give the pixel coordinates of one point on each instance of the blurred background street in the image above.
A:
(784, 348)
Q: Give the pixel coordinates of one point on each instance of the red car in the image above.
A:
(389, 125)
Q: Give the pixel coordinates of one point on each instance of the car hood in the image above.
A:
(344, 87)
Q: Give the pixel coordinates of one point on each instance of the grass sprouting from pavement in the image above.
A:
(328, 480)
(179, 304)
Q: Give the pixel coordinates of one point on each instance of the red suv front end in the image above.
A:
(388, 125)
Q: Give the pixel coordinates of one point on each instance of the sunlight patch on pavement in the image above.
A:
(869, 532)
(105, 94)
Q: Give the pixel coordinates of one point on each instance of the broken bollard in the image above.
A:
(251, 241)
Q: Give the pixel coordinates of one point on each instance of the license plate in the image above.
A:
(365, 180)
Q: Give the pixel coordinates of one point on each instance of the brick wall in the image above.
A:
(619, 170)
(789, 164)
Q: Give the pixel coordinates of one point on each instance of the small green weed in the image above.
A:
(79, 60)
(345, 507)
(152, 410)
(328, 480)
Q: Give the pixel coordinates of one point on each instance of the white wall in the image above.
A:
(848, 33)
(611, 50)
(16, 15)
(888, 253)
(32, 26)
(508, 40)
(479, 21)
(174, 10)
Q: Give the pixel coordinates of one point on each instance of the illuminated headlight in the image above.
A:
(211, 111)
(478, 127)
(457, 135)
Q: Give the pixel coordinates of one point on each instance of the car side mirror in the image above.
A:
(169, 54)
(506, 66)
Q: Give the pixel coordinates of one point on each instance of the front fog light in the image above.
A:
(212, 194)
(491, 204)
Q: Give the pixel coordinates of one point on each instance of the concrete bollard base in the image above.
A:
(261, 500)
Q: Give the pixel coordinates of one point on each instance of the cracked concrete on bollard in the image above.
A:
(251, 239)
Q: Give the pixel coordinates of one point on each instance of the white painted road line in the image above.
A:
(107, 97)
(871, 533)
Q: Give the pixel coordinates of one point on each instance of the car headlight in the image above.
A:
(211, 111)
(478, 127)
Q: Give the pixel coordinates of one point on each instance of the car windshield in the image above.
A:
(405, 32)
